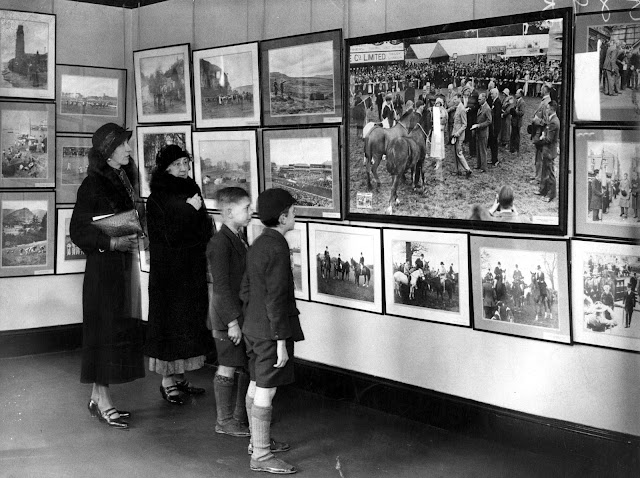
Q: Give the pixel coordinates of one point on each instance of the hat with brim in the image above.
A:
(389, 96)
(272, 203)
(108, 137)
(168, 155)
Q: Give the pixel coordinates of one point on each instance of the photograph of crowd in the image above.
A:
(606, 285)
(86, 95)
(226, 86)
(345, 266)
(615, 44)
(27, 55)
(24, 233)
(69, 257)
(440, 124)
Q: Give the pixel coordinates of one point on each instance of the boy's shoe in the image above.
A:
(233, 428)
(275, 447)
(271, 464)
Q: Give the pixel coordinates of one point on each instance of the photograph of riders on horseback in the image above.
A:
(427, 275)
(163, 85)
(344, 265)
(520, 283)
(440, 122)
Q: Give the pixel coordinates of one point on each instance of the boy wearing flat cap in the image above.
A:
(271, 325)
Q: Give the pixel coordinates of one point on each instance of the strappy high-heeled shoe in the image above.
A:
(94, 411)
(173, 399)
(107, 417)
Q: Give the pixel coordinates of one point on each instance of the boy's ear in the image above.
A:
(282, 219)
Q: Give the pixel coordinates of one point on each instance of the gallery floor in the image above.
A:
(46, 431)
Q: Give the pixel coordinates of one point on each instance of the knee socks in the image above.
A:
(223, 391)
(242, 383)
(261, 431)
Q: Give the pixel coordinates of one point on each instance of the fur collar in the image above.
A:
(165, 182)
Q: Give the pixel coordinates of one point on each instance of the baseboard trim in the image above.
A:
(60, 338)
(518, 429)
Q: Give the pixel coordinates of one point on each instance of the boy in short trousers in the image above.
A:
(271, 325)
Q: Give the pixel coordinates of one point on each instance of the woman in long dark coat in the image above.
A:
(111, 338)
(179, 229)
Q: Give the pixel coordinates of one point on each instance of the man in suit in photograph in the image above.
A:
(517, 112)
(481, 128)
(549, 143)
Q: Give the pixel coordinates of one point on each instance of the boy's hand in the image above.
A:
(234, 333)
(283, 355)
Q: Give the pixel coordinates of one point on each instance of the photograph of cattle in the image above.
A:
(345, 266)
(25, 139)
(163, 84)
(150, 140)
(72, 162)
(426, 275)
(69, 258)
(301, 79)
(223, 159)
(27, 55)
(439, 123)
(27, 221)
(226, 86)
(605, 288)
(607, 182)
(520, 287)
(306, 163)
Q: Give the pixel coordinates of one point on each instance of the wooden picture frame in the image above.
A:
(309, 68)
(305, 162)
(72, 163)
(88, 97)
(416, 290)
(69, 258)
(225, 158)
(226, 86)
(356, 287)
(29, 65)
(601, 275)
(418, 65)
(27, 139)
(163, 84)
(27, 243)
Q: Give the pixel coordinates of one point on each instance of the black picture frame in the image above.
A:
(72, 164)
(452, 204)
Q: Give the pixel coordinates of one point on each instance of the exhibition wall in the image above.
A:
(586, 385)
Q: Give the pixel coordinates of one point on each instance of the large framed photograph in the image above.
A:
(88, 97)
(606, 77)
(150, 140)
(301, 79)
(305, 162)
(607, 182)
(521, 287)
(424, 163)
(223, 159)
(163, 84)
(226, 86)
(28, 233)
(72, 162)
(605, 292)
(69, 258)
(345, 266)
(27, 139)
(28, 55)
(427, 275)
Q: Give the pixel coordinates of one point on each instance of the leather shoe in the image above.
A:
(274, 465)
(173, 399)
(274, 447)
(107, 417)
(185, 387)
(94, 411)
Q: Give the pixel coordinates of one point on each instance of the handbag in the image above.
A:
(120, 224)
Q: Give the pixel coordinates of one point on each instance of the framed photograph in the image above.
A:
(345, 267)
(605, 282)
(301, 79)
(27, 139)
(606, 75)
(223, 159)
(69, 258)
(413, 170)
(427, 276)
(305, 162)
(28, 55)
(226, 86)
(150, 140)
(88, 97)
(72, 162)
(163, 84)
(521, 287)
(28, 225)
(607, 182)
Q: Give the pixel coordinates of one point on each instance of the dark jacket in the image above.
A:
(227, 257)
(551, 137)
(178, 297)
(267, 290)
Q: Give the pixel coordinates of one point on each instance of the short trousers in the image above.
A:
(263, 355)
(229, 354)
